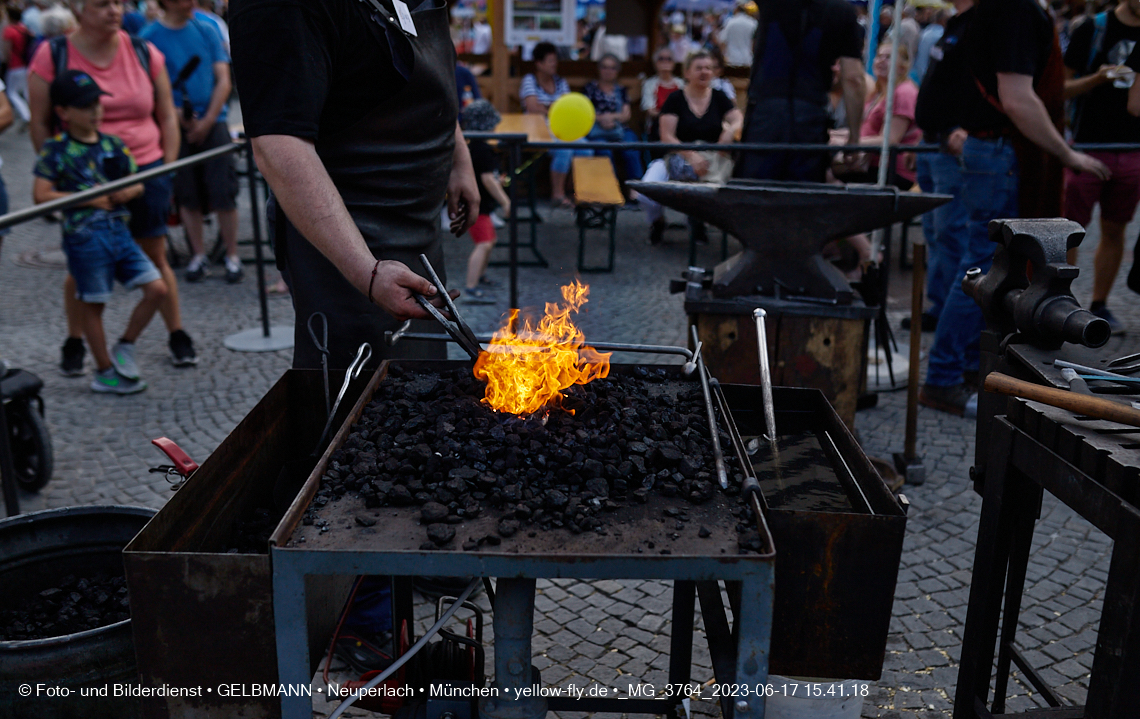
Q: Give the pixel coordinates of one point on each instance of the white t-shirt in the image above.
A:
(481, 42)
(738, 34)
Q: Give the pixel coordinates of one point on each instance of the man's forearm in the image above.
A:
(219, 96)
(309, 198)
(854, 95)
(1025, 109)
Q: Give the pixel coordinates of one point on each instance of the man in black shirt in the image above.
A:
(797, 44)
(352, 108)
(936, 113)
(1012, 60)
(1097, 79)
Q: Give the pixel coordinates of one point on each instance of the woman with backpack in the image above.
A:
(139, 110)
(19, 42)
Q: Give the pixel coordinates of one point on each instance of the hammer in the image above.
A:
(1087, 405)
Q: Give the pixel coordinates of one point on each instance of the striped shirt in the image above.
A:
(530, 87)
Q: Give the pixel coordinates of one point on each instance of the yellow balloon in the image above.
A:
(571, 117)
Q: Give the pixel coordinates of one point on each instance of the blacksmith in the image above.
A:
(352, 108)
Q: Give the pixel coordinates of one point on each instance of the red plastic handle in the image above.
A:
(182, 461)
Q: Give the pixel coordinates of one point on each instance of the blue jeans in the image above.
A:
(101, 250)
(989, 192)
(944, 228)
(560, 159)
(619, 133)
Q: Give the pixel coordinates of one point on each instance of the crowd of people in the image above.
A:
(973, 76)
(104, 90)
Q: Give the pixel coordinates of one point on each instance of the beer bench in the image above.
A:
(597, 197)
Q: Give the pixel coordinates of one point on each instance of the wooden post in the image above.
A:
(500, 57)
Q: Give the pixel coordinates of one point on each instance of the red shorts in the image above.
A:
(483, 231)
(1118, 196)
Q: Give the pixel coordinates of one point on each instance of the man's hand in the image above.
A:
(197, 130)
(394, 290)
(1080, 162)
(462, 189)
(699, 164)
(956, 141)
(607, 120)
(102, 203)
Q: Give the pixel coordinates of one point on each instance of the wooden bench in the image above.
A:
(597, 197)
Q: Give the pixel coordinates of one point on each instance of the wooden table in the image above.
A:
(534, 126)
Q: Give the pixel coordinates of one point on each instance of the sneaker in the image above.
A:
(1115, 328)
(477, 296)
(657, 231)
(234, 273)
(497, 222)
(953, 400)
(73, 352)
(123, 359)
(109, 381)
(196, 270)
(182, 352)
(484, 282)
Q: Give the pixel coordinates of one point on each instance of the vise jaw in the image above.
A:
(1027, 290)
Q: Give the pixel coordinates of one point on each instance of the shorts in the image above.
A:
(1118, 196)
(211, 185)
(101, 251)
(150, 210)
(482, 231)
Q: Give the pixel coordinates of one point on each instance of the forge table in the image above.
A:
(637, 544)
(1093, 466)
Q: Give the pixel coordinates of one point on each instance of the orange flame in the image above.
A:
(527, 369)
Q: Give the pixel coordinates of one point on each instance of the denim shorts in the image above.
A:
(100, 251)
(150, 210)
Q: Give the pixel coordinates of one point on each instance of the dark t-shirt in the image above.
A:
(1103, 115)
(1005, 36)
(797, 43)
(483, 159)
(707, 127)
(311, 68)
(937, 109)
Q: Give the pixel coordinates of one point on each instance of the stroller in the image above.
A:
(28, 436)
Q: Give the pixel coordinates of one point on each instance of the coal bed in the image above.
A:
(625, 464)
(72, 604)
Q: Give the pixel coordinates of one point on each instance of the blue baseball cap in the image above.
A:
(75, 88)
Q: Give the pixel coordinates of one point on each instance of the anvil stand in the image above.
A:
(820, 326)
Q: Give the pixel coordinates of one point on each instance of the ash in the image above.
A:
(73, 604)
(427, 440)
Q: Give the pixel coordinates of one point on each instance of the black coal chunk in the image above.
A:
(440, 534)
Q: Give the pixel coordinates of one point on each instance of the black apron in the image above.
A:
(391, 169)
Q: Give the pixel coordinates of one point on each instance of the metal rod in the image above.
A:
(514, 154)
(917, 288)
(79, 198)
(765, 373)
(259, 258)
(718, 455)
(392, 338)
(847, 472)
(1090, 370)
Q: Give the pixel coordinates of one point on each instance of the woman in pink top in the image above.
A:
(140, 111)
(903, 129)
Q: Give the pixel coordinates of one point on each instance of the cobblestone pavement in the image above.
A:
(611, 632)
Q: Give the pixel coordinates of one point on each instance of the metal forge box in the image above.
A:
(202, 616)
(840, 533)
(395, 546)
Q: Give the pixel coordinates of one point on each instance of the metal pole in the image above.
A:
(7, 469)
(888, 114)
(876, 6)
(514, 626)
(918, 283)
(513, 160)
(255, 211)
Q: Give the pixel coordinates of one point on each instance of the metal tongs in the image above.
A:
(459, 330)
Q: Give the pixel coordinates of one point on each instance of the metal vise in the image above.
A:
(1027, 289)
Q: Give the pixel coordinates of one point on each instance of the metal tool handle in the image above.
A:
(363, 354)
(714, 434)
(322, 346)
(765, 373)
(459, 323)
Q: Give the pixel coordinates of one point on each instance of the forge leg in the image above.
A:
(514, 625)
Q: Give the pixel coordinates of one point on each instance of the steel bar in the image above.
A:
(917, 289)
(714, 434)
(259, 259)
(79, 198)
(765, 373)
(455, 333)
(392, 338)
(1090, 370)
